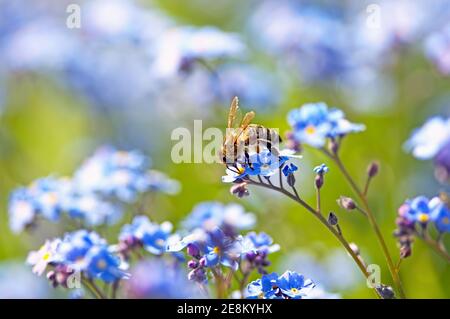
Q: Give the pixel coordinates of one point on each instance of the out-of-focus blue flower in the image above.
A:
(254, 242)
(221, 249)
(289, 285)
(122, 174)
(255, 249)
(321, 169)
(254, 86)
(153, 237)
(92, 209)
(180, 47)
(432, 141)
(210, 215)
(75, 246)
(101, 264)
(427, 141)
(114, 173)
(21, 210)
(437, 48)
(313, 123)
(43, 197)
(158, 279)
(440, 215)
(79, 251)
(122, 21)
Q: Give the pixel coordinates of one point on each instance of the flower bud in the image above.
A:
(240, 190)
(385, 292)
(372, 169)
(346, 203)
(192, 264)
(319, 181)
(291, 180)
(405, 251)
(193, 250)
(332, 219)
(354, 248)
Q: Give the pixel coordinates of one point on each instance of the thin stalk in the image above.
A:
(373, 222)
(92, 287)
(310, 209)
(435, 246)
(318, 200)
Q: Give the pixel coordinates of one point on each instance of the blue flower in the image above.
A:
(221, 249)
(294, 285)
(289, 169)
(427, 141)
(321, 169)
(179, 48)
(289, 285)
(417, 210)
(266, 163)
(21, 210)
(314, 123)
(75, 246)
(114, 173)
(91, 209)
(264, 288)
(440, 215)
(153, 237)
(254, 86)
(229, 217)
(101, 264)
(82, 251)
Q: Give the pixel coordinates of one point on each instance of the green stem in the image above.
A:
(90, 285)
(373, 222)
(435, 246)
(310, 209)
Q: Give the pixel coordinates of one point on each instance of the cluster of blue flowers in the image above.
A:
(432, 141)
(95, 195)
(290, 285)
(81, 253)
(158, 50)
(415, 217)
(142, 232)
(214, 240)
(315, 123)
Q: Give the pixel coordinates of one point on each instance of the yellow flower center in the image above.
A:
(310, 129)
(294, 290)
(46, 256)
(216, 250)
(423, 218)
(101, 264)
(446, 220)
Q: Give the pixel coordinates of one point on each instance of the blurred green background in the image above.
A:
(44, 130)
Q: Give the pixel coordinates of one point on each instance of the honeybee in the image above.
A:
(246, 139)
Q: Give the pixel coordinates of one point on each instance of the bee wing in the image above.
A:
(232, 114)
(248, 117)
